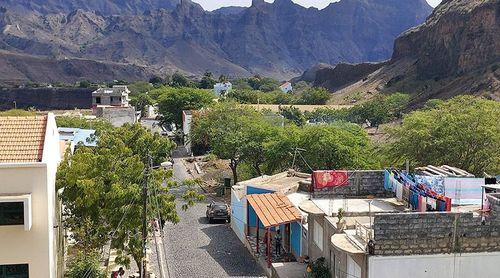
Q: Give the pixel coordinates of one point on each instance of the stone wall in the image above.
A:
(361, 183)
(435, 232)
(46, 98)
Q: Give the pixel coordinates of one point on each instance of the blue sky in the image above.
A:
(215, 4)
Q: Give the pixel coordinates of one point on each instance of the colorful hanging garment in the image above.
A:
(435, 183)
(464, 191)
(387, 181)
(329, 178)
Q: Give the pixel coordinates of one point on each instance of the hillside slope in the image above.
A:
(280, 39)
(456, 51)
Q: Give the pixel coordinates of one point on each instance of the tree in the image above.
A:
(173, 101)
(84, 84)
(179, 80)
(463, 132)
(232, 132)
(336, 146)
(207, 81)
(103, 190)
(156, 81)
(293, 114)
(315, 96)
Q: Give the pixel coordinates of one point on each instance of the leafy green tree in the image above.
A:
(140, 87)
(293, 114)
(315, 96)
(103, 190)
(179, 80)
(141, 101)
(462, 132)
(381, 109)
(232, 132)
(84, 84)
(173, 101)
(207, 81)
(336, 146)
(156, 81)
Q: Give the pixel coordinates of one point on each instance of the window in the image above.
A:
(318, 235)
(14, 271)
(12, 213)
(98, 100)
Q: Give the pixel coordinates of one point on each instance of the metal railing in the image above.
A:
(364, 232)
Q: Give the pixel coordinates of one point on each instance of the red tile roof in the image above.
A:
(22, 139)
(274, 209)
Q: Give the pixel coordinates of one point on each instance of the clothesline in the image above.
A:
(417, 196)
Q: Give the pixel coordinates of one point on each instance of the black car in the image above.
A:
(218, 211)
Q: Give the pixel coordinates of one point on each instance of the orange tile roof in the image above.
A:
(22, 138)
(274, 209)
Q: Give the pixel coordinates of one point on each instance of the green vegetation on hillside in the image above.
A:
(462, 132)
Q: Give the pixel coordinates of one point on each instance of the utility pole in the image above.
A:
(144, 217)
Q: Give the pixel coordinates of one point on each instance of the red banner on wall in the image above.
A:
(329, 178)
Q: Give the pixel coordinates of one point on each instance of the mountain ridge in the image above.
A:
(455, 51)
(279, 39)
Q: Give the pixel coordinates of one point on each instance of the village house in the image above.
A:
(112, 104)
(72, 137)
(394, 224)
(222, 88)
(270, 203)
(29, 221)
(286, 87)
(115, 96)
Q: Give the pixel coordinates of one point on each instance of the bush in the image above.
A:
(320, 269)
(85, 265)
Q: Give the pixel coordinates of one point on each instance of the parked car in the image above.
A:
(218, 211)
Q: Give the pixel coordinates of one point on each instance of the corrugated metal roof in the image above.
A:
(274, 209)
(22, 138)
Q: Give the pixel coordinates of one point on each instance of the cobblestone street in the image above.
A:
(195, 248)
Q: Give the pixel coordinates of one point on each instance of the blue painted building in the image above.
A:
(78, 136)
(244, 217)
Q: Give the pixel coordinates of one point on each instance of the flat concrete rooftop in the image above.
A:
(331, 206)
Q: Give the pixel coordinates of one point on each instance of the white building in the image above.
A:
(29, 156)
(116, 96)
(286, 87)
(220, 89)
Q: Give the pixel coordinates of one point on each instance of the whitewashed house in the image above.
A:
(286, 87)
(29, 156)
(220, 89)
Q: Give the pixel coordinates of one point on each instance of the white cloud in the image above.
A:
(215, 4)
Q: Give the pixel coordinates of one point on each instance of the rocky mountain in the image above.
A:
(105, 7)
(280, 39)
(456, 51)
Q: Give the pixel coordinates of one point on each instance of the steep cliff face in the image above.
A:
(456, 51)
(461, 36)
(279, 39)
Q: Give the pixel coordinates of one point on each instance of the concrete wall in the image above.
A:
(435, 232)
(36, 246)
(117, 116)
(361, 183)
(238, 215)
(46, 98)
(484, 265)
